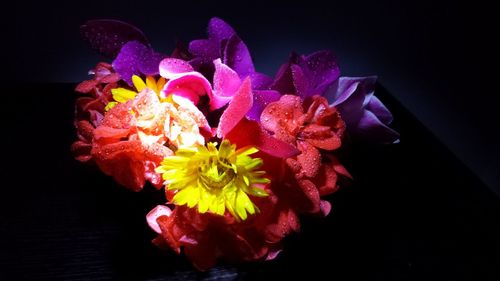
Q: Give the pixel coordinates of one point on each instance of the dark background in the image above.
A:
(438, 58)
(419, 210)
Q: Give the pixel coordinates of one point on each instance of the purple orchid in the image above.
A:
(307, 75)
(224, 47)
(365, 115)
(302, 75)
(108, 36)
(135, 58)
(223, 43)
(125, 43)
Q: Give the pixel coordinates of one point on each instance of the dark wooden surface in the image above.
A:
(413, 212)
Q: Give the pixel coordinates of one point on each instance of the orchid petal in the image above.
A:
(237, 56)
(380, 110)
(171, 67)
(108, 36)
(136, 59)
(226, 83)
(250, 133)
(219, 30)
(240, 104)
(190, 85)
(371, 128)
(261, 98)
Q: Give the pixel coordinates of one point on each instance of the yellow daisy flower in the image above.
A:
(215, 179)
(122, 95)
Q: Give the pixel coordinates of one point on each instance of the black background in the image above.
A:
(414, 213)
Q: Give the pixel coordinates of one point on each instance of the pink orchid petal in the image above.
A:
(190, 85)
(237, 109)
(154, 214)
(226, 83)
(171, 67)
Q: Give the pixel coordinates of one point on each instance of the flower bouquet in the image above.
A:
(239, 155)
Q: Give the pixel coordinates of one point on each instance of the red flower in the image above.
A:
(312, 126)
(205, 237)
(89, 110)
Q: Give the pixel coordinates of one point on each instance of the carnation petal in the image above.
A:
(309, 159)
(312, 195)
(283, 117)
(153, 215)
(202, 255)
(86, 86)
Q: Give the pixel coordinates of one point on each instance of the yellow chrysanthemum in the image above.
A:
(215, 179)
(122, 95)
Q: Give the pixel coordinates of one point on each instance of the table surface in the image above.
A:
(413, 212)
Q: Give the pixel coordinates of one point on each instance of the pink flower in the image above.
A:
(185, 82)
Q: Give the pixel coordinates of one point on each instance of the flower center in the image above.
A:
(215, 179)
(216, 173)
